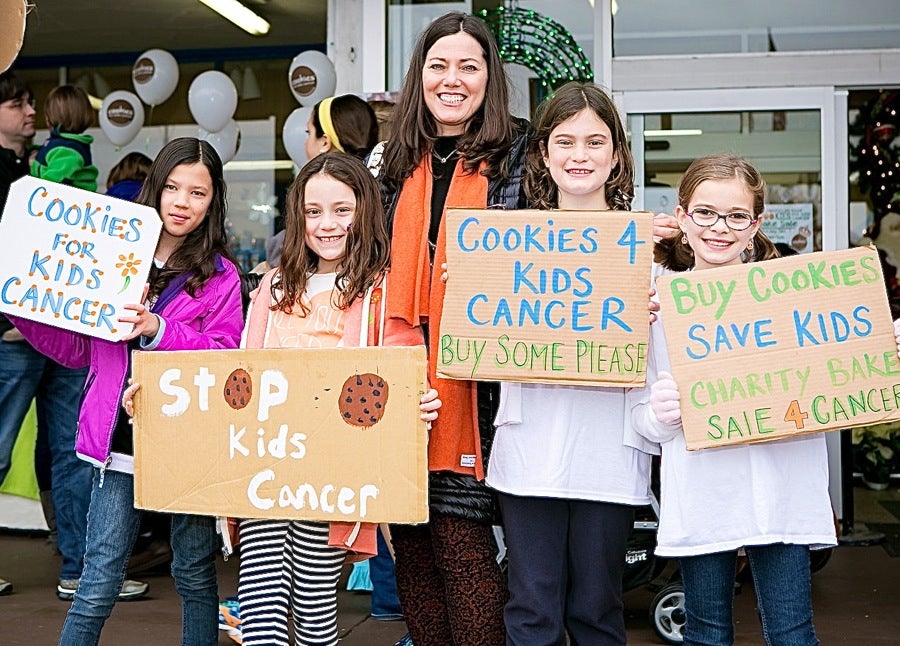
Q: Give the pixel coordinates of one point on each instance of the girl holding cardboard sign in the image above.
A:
(770, 499)
(568, 483)
(193, 302)
(329, 291)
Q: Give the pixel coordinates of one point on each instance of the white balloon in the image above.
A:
(155, 76)
(227, 141)
(311, 77)
(121, 117)
(293, 135)
(212, 99)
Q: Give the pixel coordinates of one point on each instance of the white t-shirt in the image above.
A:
(566, 442)
(721, 499)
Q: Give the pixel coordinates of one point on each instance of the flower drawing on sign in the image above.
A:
(129, 267)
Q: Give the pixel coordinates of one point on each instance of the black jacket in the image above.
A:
(11, 169)
(456, 494)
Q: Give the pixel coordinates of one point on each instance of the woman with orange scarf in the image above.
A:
(454, 145)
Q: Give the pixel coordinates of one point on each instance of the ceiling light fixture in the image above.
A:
(239, 15)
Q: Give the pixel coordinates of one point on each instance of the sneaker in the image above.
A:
(130, 591)
(406, 640)
(5, 587)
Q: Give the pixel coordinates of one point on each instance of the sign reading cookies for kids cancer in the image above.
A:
(323, 434)
(71, 258)
(555, 297)
(766, 350)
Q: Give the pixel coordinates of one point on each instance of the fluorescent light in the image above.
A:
(672, 133)
(239, 15)
(260, 164)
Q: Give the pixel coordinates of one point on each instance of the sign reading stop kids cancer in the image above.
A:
(72, 258)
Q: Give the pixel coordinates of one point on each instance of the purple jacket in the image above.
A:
(211, 321)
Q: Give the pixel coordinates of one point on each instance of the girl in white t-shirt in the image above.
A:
(771, 498)
(326, 293)
(567, 482)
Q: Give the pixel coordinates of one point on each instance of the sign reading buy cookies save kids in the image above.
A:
(766, 350)
(331, 434)
(554, 297)
(72, 258)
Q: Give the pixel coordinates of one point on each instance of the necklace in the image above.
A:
(444, 160)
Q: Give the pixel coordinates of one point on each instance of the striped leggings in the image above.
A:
(288, 568)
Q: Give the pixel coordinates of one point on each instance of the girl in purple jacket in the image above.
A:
(193, 302)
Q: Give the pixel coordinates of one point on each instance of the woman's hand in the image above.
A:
(444, 274)
(664, 400)
(429, 405)
(664, 225)
(145, 322)
(128, 397)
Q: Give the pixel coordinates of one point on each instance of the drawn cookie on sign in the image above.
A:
(238, 389)
(363, 400)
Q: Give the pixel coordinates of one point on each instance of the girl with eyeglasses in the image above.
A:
(770, 499)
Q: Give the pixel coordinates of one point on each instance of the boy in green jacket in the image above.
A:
(66, 155)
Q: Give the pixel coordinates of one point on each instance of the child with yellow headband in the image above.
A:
(344, 124)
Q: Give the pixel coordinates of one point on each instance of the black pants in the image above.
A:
(566, 560)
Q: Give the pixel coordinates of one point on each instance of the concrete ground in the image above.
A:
(856, 598)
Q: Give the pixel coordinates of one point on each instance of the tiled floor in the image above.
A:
(856, 598)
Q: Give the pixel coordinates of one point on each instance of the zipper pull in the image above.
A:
(103, 471)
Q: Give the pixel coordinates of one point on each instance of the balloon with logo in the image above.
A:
(121, 117)
(293, 134)
(155, 76)
(311, 77)
(212, 99)
(12, 30)
(227, 141)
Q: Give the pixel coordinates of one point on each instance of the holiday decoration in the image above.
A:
(876, 158)
(542, 45)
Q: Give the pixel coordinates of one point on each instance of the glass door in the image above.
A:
(798, 139)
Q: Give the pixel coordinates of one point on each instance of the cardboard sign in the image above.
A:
(72, 258)
(556, 297)
(331, 434)
(766, 350)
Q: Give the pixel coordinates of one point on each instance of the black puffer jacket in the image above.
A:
(456, 494)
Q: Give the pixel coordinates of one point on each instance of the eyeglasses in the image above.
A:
(20, 103)
(736, 220)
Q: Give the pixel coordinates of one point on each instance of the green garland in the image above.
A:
(542, 45)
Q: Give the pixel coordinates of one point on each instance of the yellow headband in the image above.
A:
(327, 126)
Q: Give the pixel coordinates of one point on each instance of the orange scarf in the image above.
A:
(417, 295)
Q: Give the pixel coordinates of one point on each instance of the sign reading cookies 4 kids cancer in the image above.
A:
(325, 434)
(555, 297)
(766, 350)
(72, 258)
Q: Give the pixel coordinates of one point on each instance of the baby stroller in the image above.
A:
(644, 568)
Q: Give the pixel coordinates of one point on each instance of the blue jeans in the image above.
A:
(112, 529)
(385, 602)
(781, 579)
(26, 374)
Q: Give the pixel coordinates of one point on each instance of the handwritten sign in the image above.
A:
(326, 434)
(766, 350)
(554, 297)
(72, 258)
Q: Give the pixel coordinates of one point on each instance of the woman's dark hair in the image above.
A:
(367, 251)
(488, 134)
(68, 108)
(197, 254)
(671, 252)
(133, 166)
(568, 101)
(354, 124)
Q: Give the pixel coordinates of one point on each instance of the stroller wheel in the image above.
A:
(667, 613)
